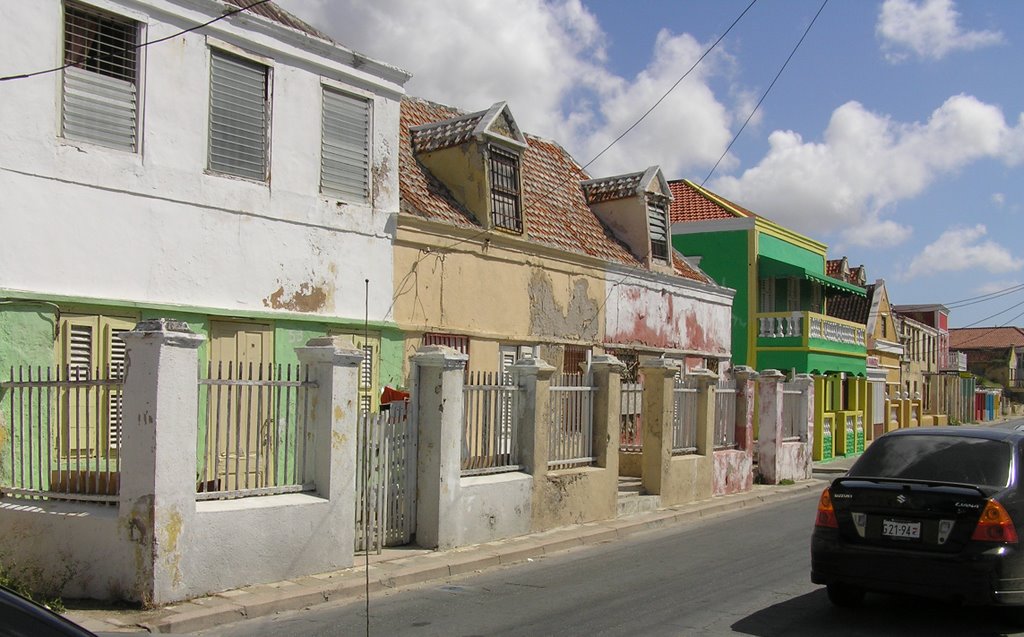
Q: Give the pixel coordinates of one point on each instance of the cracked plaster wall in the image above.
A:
(159, 227)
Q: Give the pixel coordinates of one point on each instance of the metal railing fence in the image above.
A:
(725, 415)
(490, 429)
(64, 433)
(256, 430)
(571, 418)
(684, 416)
(631, 428)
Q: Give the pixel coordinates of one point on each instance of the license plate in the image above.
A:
(901, 530)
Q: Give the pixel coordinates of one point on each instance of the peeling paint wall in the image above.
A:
(659, 313)
(158, 227)
(493, 291)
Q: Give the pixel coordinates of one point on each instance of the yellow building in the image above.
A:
(505, 247)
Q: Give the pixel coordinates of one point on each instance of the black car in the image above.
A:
(931, 512)
(20, 617)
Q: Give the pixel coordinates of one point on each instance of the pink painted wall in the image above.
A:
(663, 315)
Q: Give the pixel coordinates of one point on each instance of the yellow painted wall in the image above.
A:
(488, 287)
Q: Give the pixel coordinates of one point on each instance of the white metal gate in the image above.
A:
(385, 479)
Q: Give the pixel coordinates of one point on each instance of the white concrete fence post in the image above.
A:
(333, 365)
(157, 502)
(806, 424)
(439, 416)
(769, 433)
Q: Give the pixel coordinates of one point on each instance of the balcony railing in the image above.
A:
(954, 361)
(814, 326)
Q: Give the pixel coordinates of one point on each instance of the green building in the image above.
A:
(780, 317)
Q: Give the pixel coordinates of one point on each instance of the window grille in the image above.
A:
(658, 229)
(99, 92)
(505, 210)
(345, 146)
(575, 355)
(239, 106)
(458, 343)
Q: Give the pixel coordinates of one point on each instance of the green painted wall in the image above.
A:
(805, 362)
(775, 248)
(724, 259)
(27, 338)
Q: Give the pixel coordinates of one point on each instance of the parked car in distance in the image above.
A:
(20, 617)
(931, 512)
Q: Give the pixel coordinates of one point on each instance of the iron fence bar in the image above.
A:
(58, 495)
(246, 493)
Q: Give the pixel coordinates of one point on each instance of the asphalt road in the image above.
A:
(744, 573)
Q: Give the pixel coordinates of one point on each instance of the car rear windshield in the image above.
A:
(959, 459)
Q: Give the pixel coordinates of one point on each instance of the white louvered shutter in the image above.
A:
(345, 147)
(115, 398)
(99, 93)
(238, 116)
(659, 232)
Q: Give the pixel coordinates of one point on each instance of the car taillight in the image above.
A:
(826, 514)
(995, 525)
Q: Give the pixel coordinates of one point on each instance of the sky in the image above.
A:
(894, 134)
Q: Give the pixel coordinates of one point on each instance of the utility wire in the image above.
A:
(134, 47)
(768, 90)
(673, 87)
(984, 297)
(528, 205)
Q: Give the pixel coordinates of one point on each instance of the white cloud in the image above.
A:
(549, 63)
(962, 248)
(999, 199)
(865, 164)
(877, 233)
(928, 29)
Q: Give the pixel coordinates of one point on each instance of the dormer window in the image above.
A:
(658, 227)
(506, 212)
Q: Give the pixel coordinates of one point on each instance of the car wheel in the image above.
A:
(845, 596)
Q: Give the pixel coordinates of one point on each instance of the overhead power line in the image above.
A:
(134, 47)
(974, 300)
(767, 90)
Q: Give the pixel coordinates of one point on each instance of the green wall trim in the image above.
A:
(81, 304)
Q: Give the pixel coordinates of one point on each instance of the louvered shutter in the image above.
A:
(100, 102)
(659, 232)
(238, 116)
(345, 147)
(114, 396)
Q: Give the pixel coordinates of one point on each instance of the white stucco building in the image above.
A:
(241, 176)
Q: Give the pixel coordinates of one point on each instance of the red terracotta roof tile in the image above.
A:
(555, 211)
(692, 203)
(985, 337)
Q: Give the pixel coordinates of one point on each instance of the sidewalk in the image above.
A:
(405, 566)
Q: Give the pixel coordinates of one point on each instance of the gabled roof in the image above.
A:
(555, 212)
(496, 122)
(851, 307)
(275, 13)
(691, 202)
(622, 186)
(965, 338)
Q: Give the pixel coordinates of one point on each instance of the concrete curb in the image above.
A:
(351, 583)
